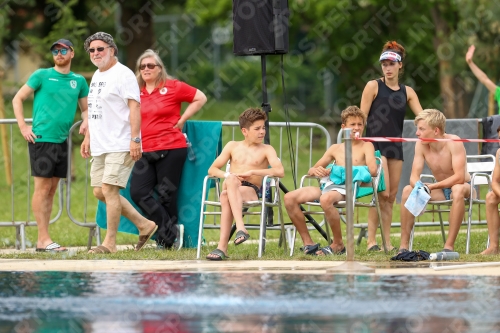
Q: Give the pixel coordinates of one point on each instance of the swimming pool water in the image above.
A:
(236, 302)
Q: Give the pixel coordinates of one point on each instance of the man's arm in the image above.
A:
(82, 102)
(418, 164)
(481, 76)
(495, 178)
(135, 128)
(413, 101)
(215, 169)
(458, 164)
(17, 104)
(370, 160)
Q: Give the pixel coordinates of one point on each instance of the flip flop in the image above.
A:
(220, 255)
(101, 249)
(143, 239)
(374, 248)
(327, 251)
(52, 247)
(446, 250)
(241, 234)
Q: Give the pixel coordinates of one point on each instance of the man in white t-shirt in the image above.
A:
(113, 138)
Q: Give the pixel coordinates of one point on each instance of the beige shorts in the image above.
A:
(112, 169)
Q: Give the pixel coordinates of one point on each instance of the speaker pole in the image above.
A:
(266, 107)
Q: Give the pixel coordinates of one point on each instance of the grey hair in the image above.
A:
(162, 77)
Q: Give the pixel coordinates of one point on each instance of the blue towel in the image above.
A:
(206, 140)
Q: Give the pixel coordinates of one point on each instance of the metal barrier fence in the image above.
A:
(309, 139)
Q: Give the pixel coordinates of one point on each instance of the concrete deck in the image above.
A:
(240, 266)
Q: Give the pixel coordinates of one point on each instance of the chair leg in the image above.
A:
(362, 233)
(442, 225)
(262, 229)
(282, 224)
(98, 240)
(381, 224)
(91, 236)
(469, 223)
(18, 237)
(292, 239)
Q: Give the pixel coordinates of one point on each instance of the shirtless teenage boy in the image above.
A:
(363, 153)
(448, 163)
(250, 160)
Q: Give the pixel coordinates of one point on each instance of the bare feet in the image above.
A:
(490, 251)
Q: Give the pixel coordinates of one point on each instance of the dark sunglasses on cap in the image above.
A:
(99, 49)
(63, 51)
(150, 66)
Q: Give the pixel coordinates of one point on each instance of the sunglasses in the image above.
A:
(56, 52)
(99, 49)
(150, 66)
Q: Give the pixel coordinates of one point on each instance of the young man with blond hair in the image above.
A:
(448, 163)
(363, 154)
(250, 160)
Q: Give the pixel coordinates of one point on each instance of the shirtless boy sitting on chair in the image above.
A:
(363, 154)
(250, 160)
(448, 163)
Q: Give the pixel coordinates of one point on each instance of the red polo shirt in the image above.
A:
(160, 111)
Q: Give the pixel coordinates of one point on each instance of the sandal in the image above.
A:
(220, 255)
(327, 251)
(243, 236)
(101, 249)
(310, 249)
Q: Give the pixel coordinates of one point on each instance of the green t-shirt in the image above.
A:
(497, 97)
(55, 104)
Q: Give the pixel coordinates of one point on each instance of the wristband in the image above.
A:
(227, 174)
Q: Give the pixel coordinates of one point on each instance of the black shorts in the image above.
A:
(48, 159)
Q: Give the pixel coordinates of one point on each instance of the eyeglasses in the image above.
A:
(99, 49)
(63, 52)
(150, 66)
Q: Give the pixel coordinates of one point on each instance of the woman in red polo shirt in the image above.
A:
(163, 144)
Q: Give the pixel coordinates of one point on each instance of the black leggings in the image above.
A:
(154, 187)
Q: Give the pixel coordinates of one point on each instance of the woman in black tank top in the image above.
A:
(384, 102)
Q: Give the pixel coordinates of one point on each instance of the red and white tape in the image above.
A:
(389, 139)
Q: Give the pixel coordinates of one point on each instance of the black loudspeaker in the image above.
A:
(260, 27)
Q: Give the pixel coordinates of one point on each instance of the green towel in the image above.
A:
(364, 191)
(206, 140)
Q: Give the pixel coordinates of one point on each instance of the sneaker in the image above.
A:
(180, 236)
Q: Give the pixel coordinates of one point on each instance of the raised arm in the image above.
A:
(17, 104)
(413, 101)
(369, 94)
(215, 169)
(418, 164)
(481, 76)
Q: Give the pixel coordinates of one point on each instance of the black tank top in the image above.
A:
(387, 113)
(386, 118)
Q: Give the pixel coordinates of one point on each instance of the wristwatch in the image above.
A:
(136, 139)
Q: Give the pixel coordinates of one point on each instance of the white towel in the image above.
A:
(418, 199)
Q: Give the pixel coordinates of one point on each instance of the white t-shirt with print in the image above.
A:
(109, 114)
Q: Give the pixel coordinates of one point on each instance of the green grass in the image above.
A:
(67, 233)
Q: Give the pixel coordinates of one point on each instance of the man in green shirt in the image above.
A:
(57, 91)
(481, 76)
